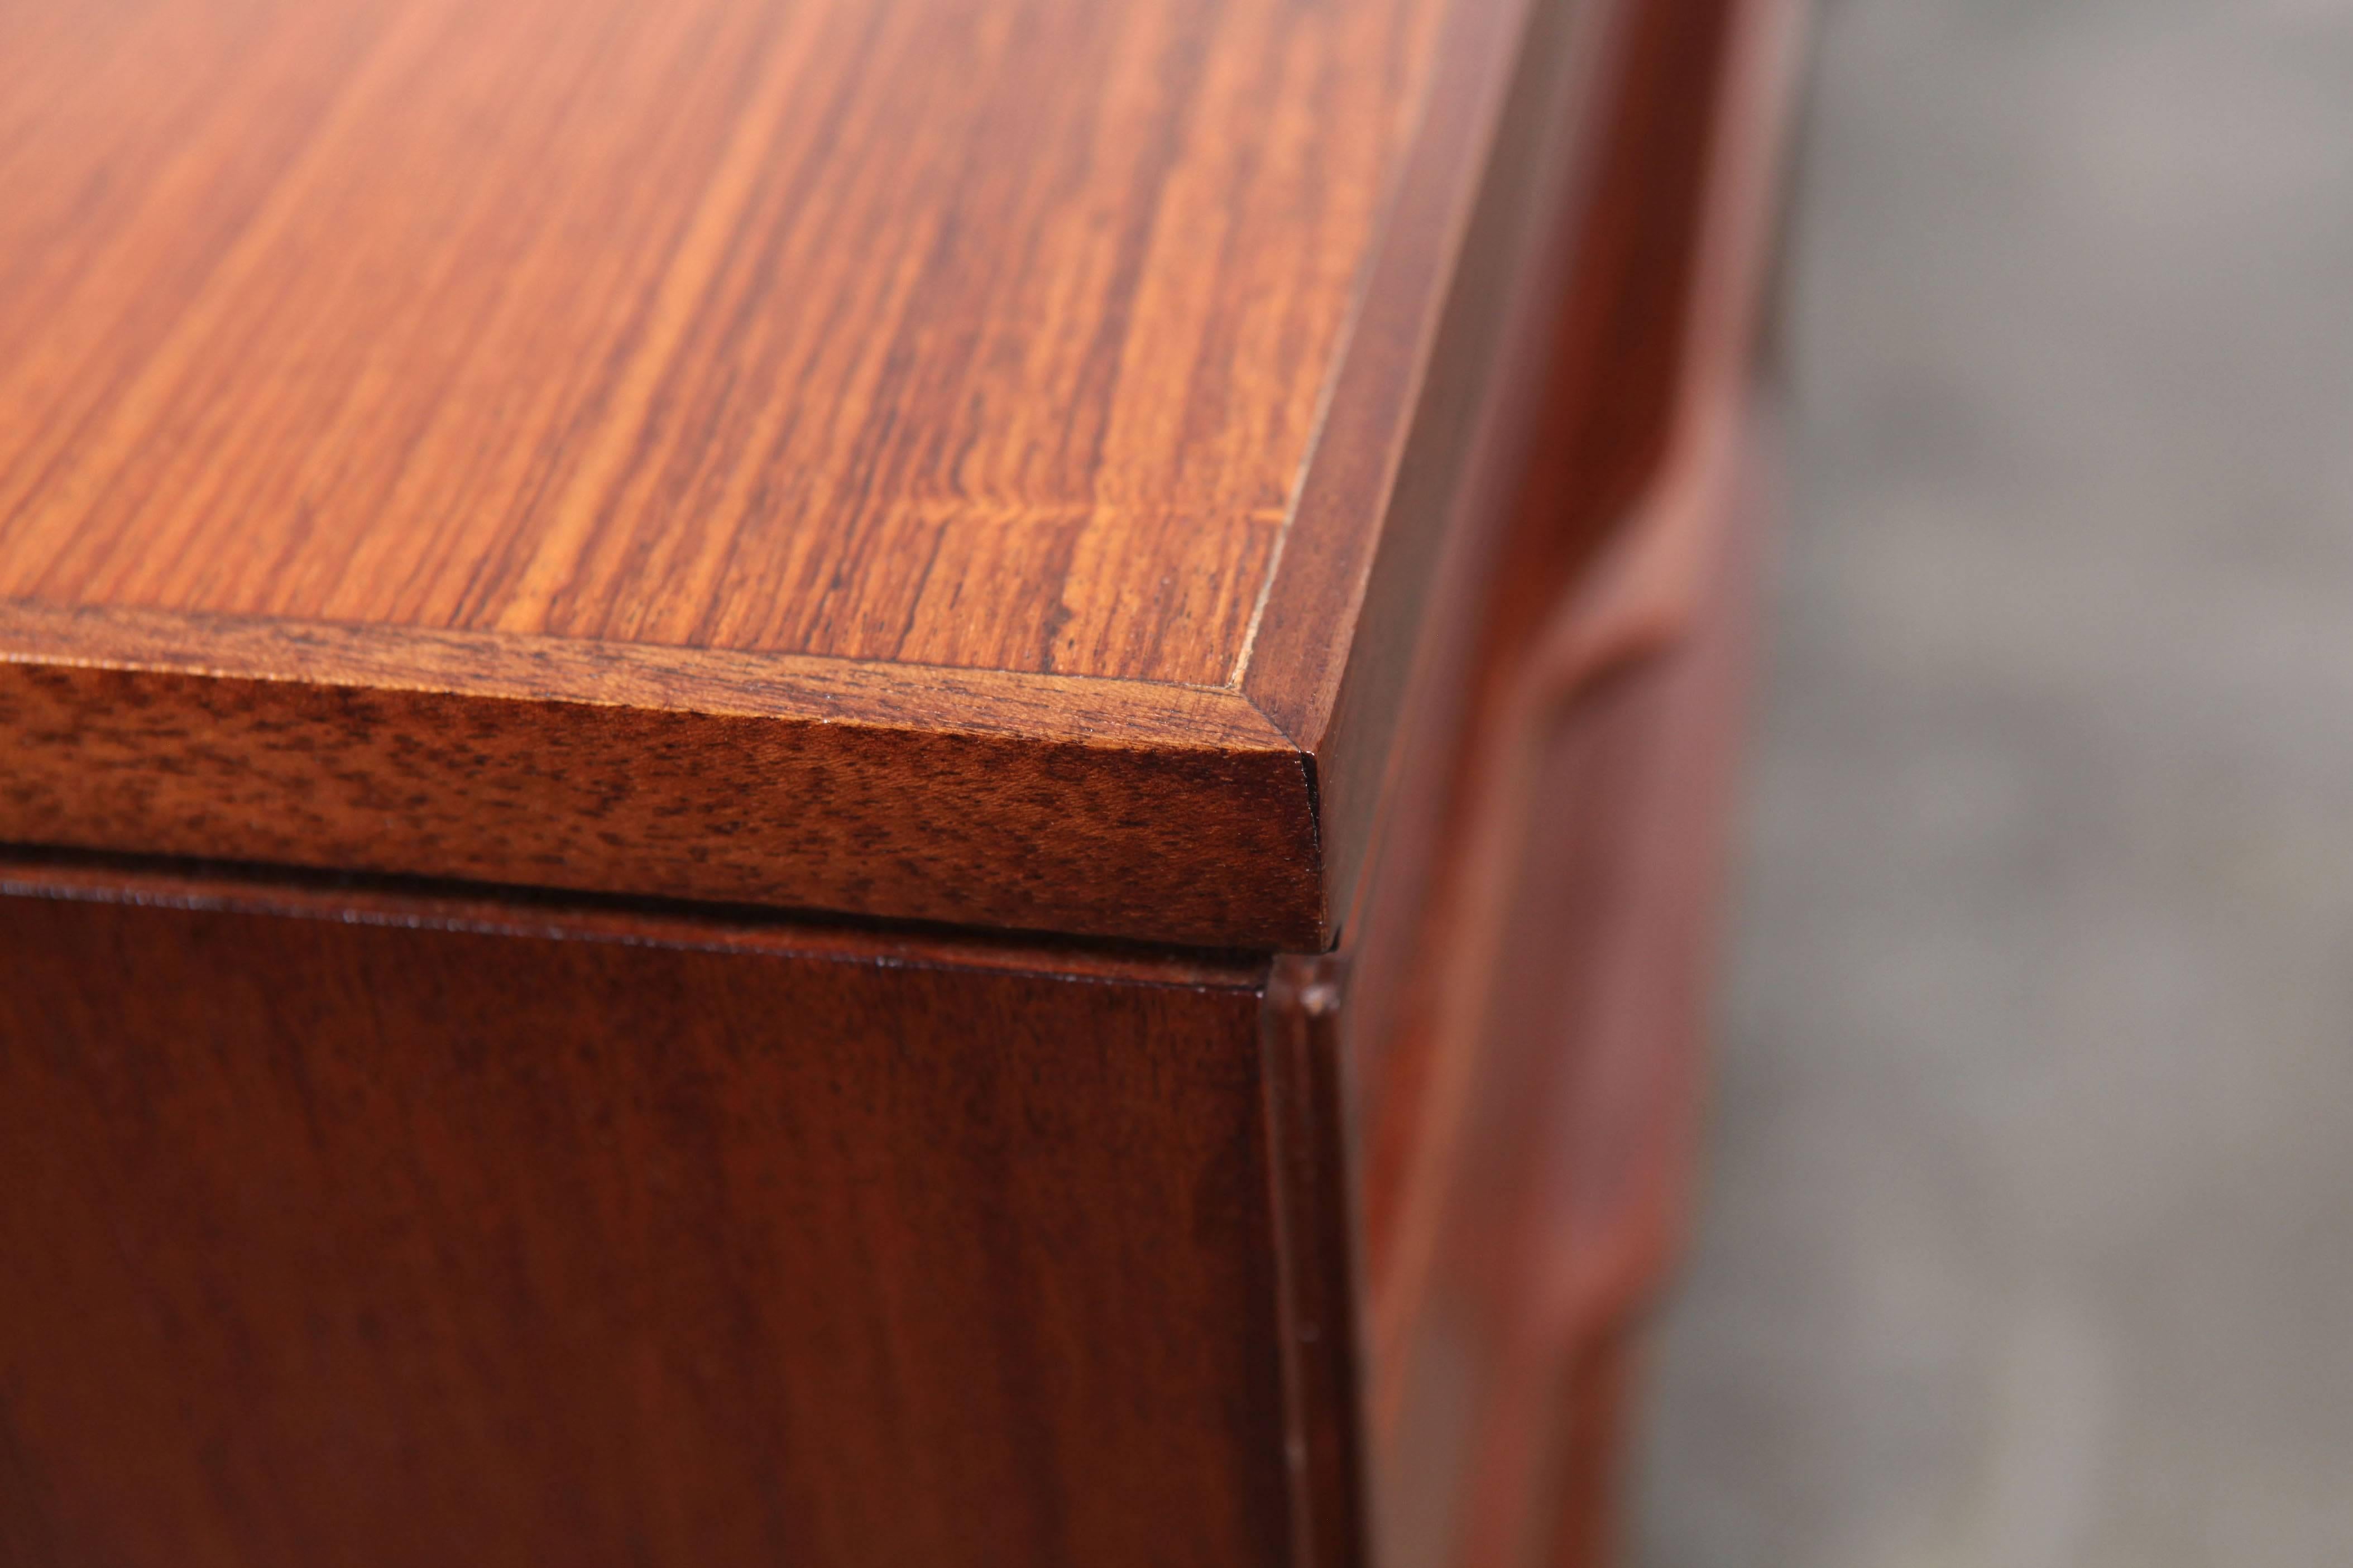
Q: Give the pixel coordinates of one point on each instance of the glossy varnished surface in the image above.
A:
(980, 335)
(434, 420)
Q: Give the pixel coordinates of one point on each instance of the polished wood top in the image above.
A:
(985, 335)
(886, 366)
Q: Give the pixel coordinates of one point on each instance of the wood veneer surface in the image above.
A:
(375, 1227)
(935, 332)
(888, 375)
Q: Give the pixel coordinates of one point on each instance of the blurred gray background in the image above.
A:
(2029, 1223)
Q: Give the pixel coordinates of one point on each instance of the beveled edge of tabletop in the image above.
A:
(1056, 804)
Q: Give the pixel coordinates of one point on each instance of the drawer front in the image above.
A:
(382, 1230)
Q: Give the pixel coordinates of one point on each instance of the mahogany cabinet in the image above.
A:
(860, 781)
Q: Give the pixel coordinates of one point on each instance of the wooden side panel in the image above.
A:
(1563, 1203)
(402, 1239)
(1527, 961)
(1559, 1201)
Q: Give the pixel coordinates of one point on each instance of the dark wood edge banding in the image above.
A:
(1151, 813)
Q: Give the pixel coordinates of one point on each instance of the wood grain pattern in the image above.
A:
(367, 1229)
(941, 333)
(371, 1222)
(1036, 802)
(725, 357)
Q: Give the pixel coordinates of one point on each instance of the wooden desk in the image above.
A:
(857, 782)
